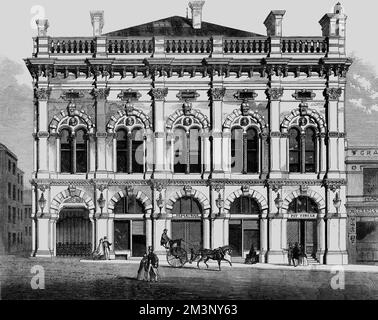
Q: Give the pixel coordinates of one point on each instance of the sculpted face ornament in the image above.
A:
(71, 108)
(129, 122)
(73, 122)
(245, 108)
(187, 107)
(187, 121)
(244, 122)
(129, 108)
(302, 121)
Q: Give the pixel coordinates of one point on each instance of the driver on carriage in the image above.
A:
(168, 243)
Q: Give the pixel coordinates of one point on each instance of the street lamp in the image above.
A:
(42, 203)
(337, 202)
(278, 202)
(219, 203)
(160, 202)
(101, 202)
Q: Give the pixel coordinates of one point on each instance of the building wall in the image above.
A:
(273, 79)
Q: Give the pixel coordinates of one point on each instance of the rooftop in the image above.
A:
(179, 26)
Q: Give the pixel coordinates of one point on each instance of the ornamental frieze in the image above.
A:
(274, 93)
(333, 184)
(187, 95)
(245, 94)
(100, 93)
(159, 94)
(129, 95)
(333, 93)
(42, 93)
(217, 94)
(303, 95)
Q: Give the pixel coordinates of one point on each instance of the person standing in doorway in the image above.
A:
(290, 254)
(106, 245)
(296, 254)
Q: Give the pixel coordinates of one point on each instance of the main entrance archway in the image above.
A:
(73, 232)
(187, 222)
(244, 227)
(302, 224)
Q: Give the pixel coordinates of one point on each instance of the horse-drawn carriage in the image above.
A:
(177, 256)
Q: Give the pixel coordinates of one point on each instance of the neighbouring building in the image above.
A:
(362, 204)
(12, 218)
(222, 136)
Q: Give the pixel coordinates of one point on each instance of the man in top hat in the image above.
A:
(152, 265)
(165, 241)
(106, 245)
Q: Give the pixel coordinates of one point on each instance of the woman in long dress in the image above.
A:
(99, 254)
(143, 270)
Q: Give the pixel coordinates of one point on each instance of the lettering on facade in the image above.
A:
(186, 216)
(365, 153)
(302, 215)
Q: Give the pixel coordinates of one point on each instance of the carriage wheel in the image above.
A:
(176, 257)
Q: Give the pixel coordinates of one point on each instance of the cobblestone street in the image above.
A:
(72, 279)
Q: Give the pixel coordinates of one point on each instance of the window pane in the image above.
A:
(121, 137)
(370, 181)
(195, 151)
(294, 150)
(180, 151)
(237, 150)
(65, 152)
(310, 144)
(81, 151)
(137, 150)
(252, 150)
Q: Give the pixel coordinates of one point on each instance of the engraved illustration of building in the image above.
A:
(222, 136)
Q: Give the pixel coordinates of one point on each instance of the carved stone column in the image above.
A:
(100, 95)
(216, 96)
(159, 95)
(274, 95)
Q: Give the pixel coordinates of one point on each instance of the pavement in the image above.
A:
(69, 278)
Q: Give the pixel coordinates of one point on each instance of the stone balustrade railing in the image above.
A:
(166, 45)
(247, 45)
(72, 45)
(188, 46)
(304, 45)
(129, 45)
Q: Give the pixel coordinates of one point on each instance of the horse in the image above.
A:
(214, 254)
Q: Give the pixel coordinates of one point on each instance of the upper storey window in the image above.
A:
(130, 128)
(186, 127)
(72, 128)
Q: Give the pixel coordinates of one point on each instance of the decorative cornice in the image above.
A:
(274, 93)
(217, 94)
(159, 94)
(334, 184)
(42, 93)
(333, 93)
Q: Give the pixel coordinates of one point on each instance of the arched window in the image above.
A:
(186, 205)
(294, 150)
(302, 150)
(66, 151)
(81, 151)
(129, 205)
(244, 150)
(73, 151)
(121, 137)
(245, 205)
(310, 150)
(187, 148)
(303, 204)
(130, 153)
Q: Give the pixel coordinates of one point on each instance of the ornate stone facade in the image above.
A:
(215, 85)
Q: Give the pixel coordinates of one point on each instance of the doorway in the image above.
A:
(303, 232)
(190, 231)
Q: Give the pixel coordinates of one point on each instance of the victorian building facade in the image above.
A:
(219, 135)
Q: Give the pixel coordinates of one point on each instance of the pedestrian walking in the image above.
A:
(152, 265)
(106, 244)
(143, 271)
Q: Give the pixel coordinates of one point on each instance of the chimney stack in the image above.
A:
(273, 23)
(196, 7)
(97, 19)
(334, 24)
(42, 26)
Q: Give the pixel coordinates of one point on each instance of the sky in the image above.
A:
(72, 18)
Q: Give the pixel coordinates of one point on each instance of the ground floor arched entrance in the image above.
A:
(302, 224)
(73, 232)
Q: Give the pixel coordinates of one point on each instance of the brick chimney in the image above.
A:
(273, 23)
(97, 19)
(196, 7)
